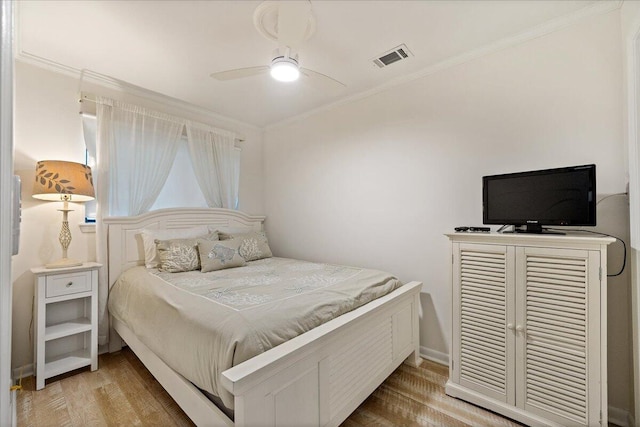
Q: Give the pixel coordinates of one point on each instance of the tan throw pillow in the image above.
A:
(219, 255)
(254, 244)
(177, 255)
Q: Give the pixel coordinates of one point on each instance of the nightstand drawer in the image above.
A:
(65, 284)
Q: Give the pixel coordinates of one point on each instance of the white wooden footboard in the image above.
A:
(320, 377)
(315, 379)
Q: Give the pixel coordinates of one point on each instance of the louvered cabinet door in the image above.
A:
(558, 334)
(483, 295)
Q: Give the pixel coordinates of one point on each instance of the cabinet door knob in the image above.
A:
(69, 284)
(510, 326)
(520, 328)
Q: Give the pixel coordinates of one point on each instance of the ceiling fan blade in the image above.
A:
(321, 81)
(293, 22)
(240, 73)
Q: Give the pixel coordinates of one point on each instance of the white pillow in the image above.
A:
(151, 258)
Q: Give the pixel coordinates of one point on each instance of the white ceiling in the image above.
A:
(172, 47)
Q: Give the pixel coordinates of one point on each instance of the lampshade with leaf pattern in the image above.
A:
(57, 180)
(62, 181)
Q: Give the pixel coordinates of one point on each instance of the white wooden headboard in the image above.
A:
(125, 245)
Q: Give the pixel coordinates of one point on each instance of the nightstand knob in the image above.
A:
(69, 284)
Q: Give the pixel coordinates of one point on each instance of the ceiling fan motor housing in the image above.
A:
(285, 69)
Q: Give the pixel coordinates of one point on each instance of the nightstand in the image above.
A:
(65, 319)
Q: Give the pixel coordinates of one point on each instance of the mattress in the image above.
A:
(201, 324)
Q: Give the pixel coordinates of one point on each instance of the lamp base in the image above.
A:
(64, 263)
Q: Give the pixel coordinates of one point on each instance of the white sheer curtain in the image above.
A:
(134, 152)
(143, 145)
(100, 152)
(216, 163)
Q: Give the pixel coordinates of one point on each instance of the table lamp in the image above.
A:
(60, 181)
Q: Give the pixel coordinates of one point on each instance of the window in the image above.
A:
(182, 188)
(89, 125)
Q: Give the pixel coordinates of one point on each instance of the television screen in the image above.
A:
(562, 196)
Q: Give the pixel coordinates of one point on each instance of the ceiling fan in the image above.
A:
(290, 24)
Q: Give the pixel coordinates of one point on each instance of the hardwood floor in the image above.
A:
(122, 392)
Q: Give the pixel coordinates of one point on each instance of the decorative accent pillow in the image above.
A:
(220, 254)
(149, 237)
(254, 244)
(179, 255)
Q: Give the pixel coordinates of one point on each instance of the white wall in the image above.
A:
(48, 126)
(378, 181)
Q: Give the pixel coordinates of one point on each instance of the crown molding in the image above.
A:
(124, 87)
(597, 8)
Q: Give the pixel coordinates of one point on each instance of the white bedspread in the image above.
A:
(201, 324)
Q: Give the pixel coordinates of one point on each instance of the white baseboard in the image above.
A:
(620, 417)
(434, 355)
(22, 372)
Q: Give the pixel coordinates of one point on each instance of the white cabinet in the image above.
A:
(66, 320)
(529, 326)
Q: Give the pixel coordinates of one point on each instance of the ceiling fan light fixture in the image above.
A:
(285, 69)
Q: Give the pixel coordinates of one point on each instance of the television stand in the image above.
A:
(568, 265)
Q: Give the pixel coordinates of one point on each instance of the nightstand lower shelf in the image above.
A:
(67, 362)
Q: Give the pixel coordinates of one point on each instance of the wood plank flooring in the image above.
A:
(122, 392)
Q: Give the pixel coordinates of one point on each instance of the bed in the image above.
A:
(316, 378)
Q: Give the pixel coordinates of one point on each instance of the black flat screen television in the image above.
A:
(562, 196)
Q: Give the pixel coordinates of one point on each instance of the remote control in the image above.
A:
(473, 229)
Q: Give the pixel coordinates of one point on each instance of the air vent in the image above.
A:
(394, 55)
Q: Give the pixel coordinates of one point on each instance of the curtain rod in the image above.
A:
(89, 98)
